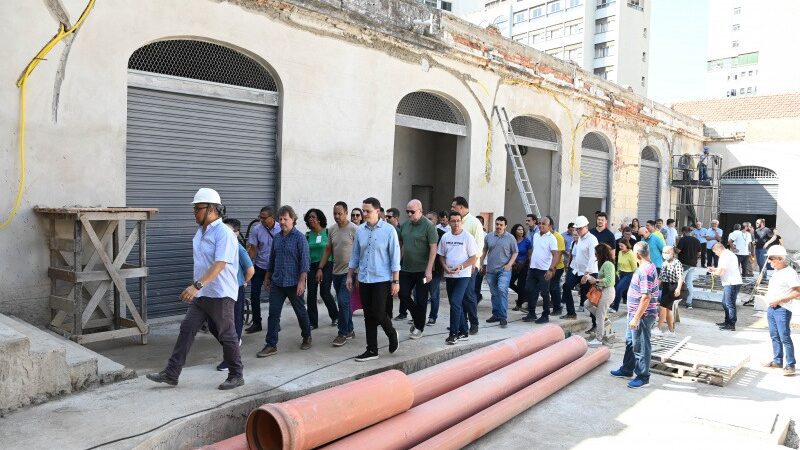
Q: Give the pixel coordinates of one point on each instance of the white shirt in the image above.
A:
(457, 248)
(543, 245)
(729, 262)
(781, 284)
(739, 241)
(670, 235)
(584, 260)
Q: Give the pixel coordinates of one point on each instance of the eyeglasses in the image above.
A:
(198, 209)
(263, 219)
(389, 217)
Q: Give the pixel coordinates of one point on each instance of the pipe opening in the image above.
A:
(266, 431)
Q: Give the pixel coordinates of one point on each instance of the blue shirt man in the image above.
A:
(376, 252)
(261, 240)
(217, 243)
(656, 245)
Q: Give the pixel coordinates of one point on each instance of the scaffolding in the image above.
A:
(696, 179)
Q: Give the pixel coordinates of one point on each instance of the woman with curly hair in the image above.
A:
(317, 236)
(605, 281)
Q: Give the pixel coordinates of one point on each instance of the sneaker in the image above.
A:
(473, 329)
(728, 328)
(451, 340)
(394, 342)
(231, 383)
(556, 312)
(722, 324)
(416, 334)
(411, 330)
(620, 374)
(350, 335)
(516, 308)
(367, 356)
(162, 377)
(689, 307)
(657, 331)
(543, 319)
(267, 351)
(568, 317)
(306, 343)
(431, 321)
(222, 367)
(492, 319)
(580, 309)
(788, 371)
(254, 328)
(594, 343)
(772, 365)
(334, 322)
(638, 383)
(503, 323)
(611, 310)
(463, 337)
(529, 318)
(401, 317)
(339, 341)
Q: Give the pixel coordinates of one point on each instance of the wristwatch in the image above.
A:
(395, 281)
(198, 285)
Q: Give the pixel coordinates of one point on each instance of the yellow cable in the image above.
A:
(21, 84)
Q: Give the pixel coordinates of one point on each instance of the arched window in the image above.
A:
(427, 111)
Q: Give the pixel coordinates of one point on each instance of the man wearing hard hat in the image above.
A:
(212, 294)
(784, 286)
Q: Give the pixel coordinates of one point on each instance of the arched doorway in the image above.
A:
(649, 182)
(595, 192)
(199, 114)
(431, 151)
(538, 145)
(746, 193)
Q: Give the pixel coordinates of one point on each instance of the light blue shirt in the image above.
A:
(567, 241)
(218, 243)
(376, 252)
(655, 244)
(700, 234)
(710, 235)
(670, 235)
(262, 238)
(244, 263)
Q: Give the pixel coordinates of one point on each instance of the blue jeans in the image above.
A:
(555, 290)
(345, 322)
(277, 295)
(435, 294)
(537, 284)
(778, 320)
(688, 277)
(255, 294)
(471, 302)
(456, 293)
(621, 289)
(729, 294)
(324, 289)
(498, 285)
(761, 257)
(637, 349)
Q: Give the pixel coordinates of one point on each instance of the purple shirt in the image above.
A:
(644, 281)
(262, 238)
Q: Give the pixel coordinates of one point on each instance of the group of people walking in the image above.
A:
(369, 255)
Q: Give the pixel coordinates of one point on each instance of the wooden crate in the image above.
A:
(681, 359)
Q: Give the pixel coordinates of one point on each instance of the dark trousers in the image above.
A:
(435, 294)
(573, 279)
(537, 284)
(256, 283)
(376, 298)
(555, 290)
(621, 289)
(238, 317)
(277, 295)
(202, 309)
(471, 302)
(711, 259)
(418, 305)
(324, 289)
(478, 285)
(744, 265)
(519, 275)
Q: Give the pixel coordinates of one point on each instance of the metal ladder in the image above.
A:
(520, 173)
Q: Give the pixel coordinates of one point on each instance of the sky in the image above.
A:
(678, 50)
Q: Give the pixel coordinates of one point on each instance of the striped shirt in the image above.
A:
(644, 281)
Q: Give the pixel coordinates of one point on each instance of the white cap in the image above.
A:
(776, 250)
(207, 195)
(581, 221)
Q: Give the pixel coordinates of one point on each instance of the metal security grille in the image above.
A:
(426, 111)
(749, 172)
(595, 142)
(749, 190)
(529, 127)
(200, 60)
(649, 181)
(595, 167)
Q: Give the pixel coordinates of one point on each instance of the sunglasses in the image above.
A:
(355, 215)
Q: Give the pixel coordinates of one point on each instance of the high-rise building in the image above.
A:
(457, 7)
(606, 37)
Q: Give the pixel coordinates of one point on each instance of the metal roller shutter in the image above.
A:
(749, 198)
(177, 143)
(648, 192)
(594, 176)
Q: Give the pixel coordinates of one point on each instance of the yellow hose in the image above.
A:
(21, 84)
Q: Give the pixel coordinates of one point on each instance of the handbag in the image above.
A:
(594, 295)
(355, 298)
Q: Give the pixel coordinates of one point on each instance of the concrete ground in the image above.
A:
(597, 410)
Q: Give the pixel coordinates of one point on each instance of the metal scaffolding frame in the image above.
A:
(697, 180)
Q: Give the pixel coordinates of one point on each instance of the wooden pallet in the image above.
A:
(681, 359)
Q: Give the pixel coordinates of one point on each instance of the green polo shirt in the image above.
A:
(416, 239)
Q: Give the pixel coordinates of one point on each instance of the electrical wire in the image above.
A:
(22, 82)
(266, 391)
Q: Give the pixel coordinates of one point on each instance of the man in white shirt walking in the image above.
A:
(728, 271)
(583, 262)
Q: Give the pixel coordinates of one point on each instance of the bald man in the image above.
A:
(418, 245)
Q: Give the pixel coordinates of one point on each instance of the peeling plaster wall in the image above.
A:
(342, 68)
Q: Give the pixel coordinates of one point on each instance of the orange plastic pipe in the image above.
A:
(436, 380)
(315, 419)
(469, 430)
(430, 418)
(238, 442)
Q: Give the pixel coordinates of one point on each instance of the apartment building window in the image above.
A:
(523, 37)
(556, 53)
(603, 3)
(605, 73)
(520, 17)
(735, 44)
(553, 33)
(741, 90)
(447, 6)
(736, 27)
(644, 56)
(574, 3)
(737, 11)
(575, 29)
(644, 32)
(537, 38)
(636, 4)
(574, 54)
(603, 25)
(750, 73)
(554, 7)
(537, 11)
(642, 81)
(603, 50)
(749, 89)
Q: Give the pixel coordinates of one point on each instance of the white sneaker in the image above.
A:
(657, 332)
(689, 307)
(594, 343)
(416, 334)
(671, 333)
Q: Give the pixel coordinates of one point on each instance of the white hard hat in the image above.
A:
(581, 221)
(207, 195)
(776, 250)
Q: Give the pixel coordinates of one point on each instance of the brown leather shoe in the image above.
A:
(267, 351)
(306, 343)
(772, 365)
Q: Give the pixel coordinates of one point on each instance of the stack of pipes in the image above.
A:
(446, 406)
